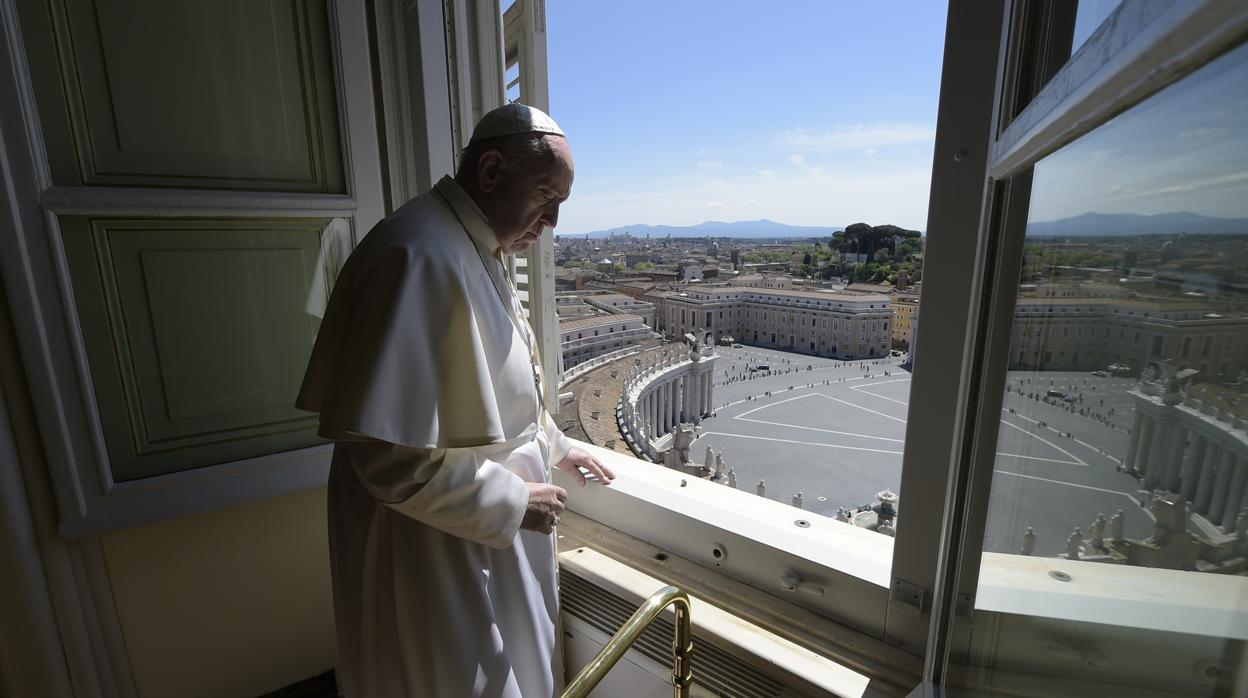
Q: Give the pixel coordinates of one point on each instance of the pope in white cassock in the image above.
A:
(426, 375)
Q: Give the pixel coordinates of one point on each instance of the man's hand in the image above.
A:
(578, 459)
(545, 507)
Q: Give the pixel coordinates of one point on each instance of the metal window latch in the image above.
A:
(791, 580)
(907, 594)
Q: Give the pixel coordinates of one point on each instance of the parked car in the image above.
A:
(1100, 374)
(1053, 392)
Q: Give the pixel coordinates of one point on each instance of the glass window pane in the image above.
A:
(1089, 17)
(1116, 525)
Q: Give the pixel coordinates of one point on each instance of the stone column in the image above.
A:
(667, 407)
(1218, 506)
(1173, 466)
(1235, 497)
(678, 412)
(658, 410)
(1133, 444)
(672, 406)
(1145, 436)
(706, 392)
(1208, 474)
(654, 414)
(1192, 467)
(1155, 457)
(686, 394)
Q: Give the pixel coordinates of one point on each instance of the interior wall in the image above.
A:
(234, 602)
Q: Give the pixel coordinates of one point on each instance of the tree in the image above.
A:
(806, 259)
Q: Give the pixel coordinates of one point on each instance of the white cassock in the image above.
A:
(423, 374)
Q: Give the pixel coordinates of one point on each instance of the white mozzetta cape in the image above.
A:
(402, 353)
(422, 376)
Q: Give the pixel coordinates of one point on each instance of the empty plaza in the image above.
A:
(835, 431)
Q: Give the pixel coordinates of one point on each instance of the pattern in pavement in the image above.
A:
(835, 431)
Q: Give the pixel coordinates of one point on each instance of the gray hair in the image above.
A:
(520, 152)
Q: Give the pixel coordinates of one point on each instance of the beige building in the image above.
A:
(825, 323)
(582, 339)
(905, 314)
(1084, 334)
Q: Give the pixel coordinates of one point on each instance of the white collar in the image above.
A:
(474, 220)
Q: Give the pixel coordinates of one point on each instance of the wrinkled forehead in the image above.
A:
(560, 171)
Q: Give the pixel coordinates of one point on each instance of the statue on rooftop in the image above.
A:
(761, 488)
(1096, 531)
(1029, 541)
(732, 478)
(1072, 544)
(719, 465)
(709, 460)
(1114, 529)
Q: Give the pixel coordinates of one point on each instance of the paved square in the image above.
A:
(835, 431)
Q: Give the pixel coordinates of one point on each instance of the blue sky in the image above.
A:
(808, 113)
(1183, 149)
(824, 112)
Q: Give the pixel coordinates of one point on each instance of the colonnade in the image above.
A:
(661, 392)
(671, 400)
(1194, 454)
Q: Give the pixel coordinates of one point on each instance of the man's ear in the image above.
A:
(489, 170)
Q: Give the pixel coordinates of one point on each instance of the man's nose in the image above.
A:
(552, 216)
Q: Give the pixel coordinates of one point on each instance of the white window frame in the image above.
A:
(89, 500)
(1139, 50)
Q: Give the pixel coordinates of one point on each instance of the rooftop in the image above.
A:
(598, 321)
(788, 293)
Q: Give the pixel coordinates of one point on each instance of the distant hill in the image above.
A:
(762, 228)
(1093, 224)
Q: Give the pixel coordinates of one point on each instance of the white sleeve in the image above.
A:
(560, 445)
(456, 490)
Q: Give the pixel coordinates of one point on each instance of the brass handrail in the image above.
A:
(617, 646)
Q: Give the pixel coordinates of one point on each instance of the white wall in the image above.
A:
(235, 602)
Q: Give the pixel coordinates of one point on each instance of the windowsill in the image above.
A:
(826, 542)
(1134, 597)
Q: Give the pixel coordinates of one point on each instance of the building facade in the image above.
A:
(582, 339)
(905, 310)
(836, 324)
(1084, 334)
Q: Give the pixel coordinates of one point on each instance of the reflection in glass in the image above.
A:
(1122, 443)
(1089, 17)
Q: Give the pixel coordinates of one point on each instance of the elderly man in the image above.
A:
(426, 375)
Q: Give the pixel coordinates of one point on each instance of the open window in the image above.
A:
(1033, 95)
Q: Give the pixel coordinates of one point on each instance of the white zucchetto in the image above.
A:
(514, 119)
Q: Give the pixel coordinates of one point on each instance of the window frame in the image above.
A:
(1139, 50)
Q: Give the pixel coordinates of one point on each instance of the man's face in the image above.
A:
(524, 200)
